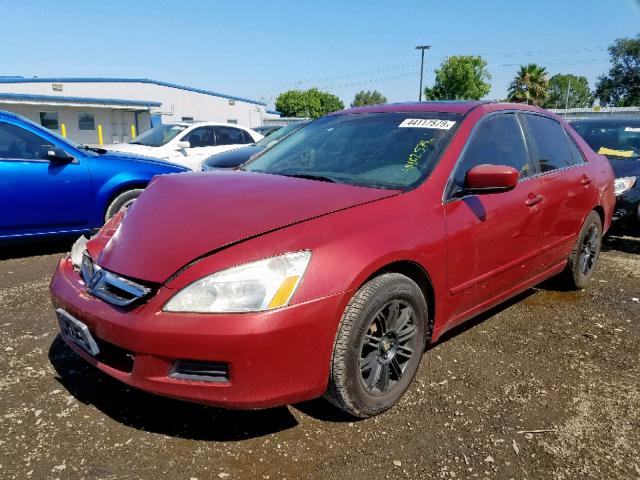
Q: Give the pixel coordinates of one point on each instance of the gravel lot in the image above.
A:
(544, 387)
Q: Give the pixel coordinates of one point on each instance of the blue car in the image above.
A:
(52, 186)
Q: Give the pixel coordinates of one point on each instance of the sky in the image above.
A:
(257, 49)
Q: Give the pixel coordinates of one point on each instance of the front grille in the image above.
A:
(114, 356)
(200, 371)
(110, 287)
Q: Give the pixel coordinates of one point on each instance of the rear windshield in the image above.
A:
(383, 150)
(614, 139)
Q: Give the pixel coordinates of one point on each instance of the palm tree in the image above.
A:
(530, 85)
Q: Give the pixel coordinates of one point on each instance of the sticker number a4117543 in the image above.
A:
(427, 123)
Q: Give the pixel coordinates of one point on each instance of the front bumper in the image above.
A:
(626, 216)
(273, 358)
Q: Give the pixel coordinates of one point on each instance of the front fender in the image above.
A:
(348, 247)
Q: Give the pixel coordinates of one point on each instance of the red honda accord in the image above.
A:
(327, 264)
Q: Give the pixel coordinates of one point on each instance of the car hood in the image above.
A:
(180, 218)
(625, 167)
(124, 156)
(133, 148)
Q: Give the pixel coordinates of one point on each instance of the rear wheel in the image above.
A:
(379, 346)
(585, 254)
(123, 200)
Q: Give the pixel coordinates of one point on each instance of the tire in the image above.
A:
(585, 254)
(378, 347)
(122, 200)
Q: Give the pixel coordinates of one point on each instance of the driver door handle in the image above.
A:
(533, 199)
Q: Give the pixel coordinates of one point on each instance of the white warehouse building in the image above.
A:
(112, 110)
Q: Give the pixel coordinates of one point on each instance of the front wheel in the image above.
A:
(123, 200)
(378, 346)
(585, 254)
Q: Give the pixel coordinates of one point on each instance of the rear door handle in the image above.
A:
(533, 200)
(585, 180)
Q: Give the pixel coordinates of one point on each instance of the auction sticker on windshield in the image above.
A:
(427, 123)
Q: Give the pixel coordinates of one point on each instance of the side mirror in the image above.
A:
(58, 155)
(184, 144)
(491, 179)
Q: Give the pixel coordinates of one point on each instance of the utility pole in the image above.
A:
(566, 103)
(422, 48)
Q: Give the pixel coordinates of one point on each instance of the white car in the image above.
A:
(188, 144)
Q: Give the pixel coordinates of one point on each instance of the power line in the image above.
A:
(411, 68)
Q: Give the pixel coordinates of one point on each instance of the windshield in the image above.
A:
(383, 150)
(617, 138)
(279, 134)
(158, 136)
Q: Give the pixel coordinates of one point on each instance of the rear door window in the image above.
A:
(576, 153)
(551, 150)
(229, 136)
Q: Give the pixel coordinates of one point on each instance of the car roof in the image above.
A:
(10, 114)
(450, 106)
(206, 123)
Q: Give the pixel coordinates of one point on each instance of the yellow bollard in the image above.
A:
(133, 131)
(100, 134)
(63, 130)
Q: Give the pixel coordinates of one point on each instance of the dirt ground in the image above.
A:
(544, 387)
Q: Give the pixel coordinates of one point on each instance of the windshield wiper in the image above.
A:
(93, 149)
(309, 176)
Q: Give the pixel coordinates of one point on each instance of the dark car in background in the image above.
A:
(619, 140)
(52, 186)
(236, 157)
(268, 129)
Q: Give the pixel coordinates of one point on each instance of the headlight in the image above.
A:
(623, 184)
(252, 287)
(77, 250)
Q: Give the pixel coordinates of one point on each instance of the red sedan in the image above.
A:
(327, 264)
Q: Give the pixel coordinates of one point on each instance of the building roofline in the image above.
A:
(63, 99)
(124, 80)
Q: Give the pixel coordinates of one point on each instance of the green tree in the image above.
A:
(578, 88)
(621, 87)
(460, 77)
(530, 85)
(311, 103)
(368, 98)
(292, 103)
